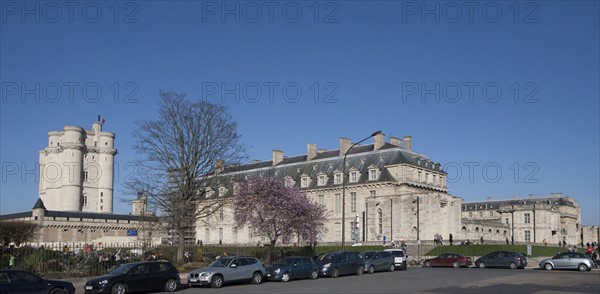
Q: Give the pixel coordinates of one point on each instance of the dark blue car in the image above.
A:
(18, 281)
(294, 267)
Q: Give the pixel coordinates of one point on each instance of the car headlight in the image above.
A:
(327, 265)
(277, 271)
(103, 282)
(205, 274)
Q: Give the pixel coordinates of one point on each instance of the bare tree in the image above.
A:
(184, 149)
(17, 232)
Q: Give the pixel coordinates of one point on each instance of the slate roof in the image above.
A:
(493, 205)
(73, 214)
(360, 158)
(39, 204)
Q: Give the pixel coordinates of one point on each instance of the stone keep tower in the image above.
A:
(77, 170)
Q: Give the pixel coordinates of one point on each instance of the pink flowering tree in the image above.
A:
(269, 207)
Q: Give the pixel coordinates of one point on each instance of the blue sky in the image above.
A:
(505, 97)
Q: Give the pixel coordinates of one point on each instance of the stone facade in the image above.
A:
(77, 229)
(76, 170)
(553, 219)
(391, 192)
(75, 201)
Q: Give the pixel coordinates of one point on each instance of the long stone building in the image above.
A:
(551, 219)
(392, 192)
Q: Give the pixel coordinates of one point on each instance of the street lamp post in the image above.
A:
(344, 188)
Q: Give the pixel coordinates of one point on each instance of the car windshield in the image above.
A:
(221, 262)
(369, 254)
(122, 269)
(285, 261)
(326, 257)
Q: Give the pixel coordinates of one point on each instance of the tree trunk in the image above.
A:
(180, 246)
(269, 259)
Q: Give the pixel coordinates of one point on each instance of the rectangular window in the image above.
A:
(373, 174)
(221, 213)
(338, 178)
(491, 214)
(419, 176)
(372, 193)
(322, 199)
(470, 214)
(481, 214)
(506, 220)
(527, 236)
(321, 180)
(304, 182)
(338, 204)
(353, 177)
(352, 201)
(527, 218)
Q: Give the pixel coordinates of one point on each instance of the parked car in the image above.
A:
(508, 259)
(228, 269)
(18, 281)
(378, 261)
(449, 259)
(293, 267)
(568, 260)
(335, 264)
(136, 276)
(399, 258)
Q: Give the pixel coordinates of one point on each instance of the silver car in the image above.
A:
(568, 260)
(228, 269)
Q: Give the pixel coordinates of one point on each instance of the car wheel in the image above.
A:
(482, 265)
(360, 270)
(392, 268)
(582, 267)
(335, 273)
(371, 269)
(428, 264)
(314, 275)
(216, 282)
(170, 285)
(456, 264)
(58, 291)
(257, 278)
(548, 266)
(512, 265)
(118, 288)
(285, 277)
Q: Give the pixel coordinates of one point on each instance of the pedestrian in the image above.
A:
(118, 257)
(481, 240)
(450, 239)
(12, 261)
(506, 240)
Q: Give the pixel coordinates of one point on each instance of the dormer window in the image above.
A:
(353, 177)
(222, 191)
(322, 180)
(289, 181)
(304, 182)
(337, 178)
(373, 174)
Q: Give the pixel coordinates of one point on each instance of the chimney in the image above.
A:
(219, 166)
(345, 144)
(277, 157)
(379, 141)
(407, 140)
(396, 141)
(311, 151)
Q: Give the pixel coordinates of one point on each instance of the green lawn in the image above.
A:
(479, 250)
